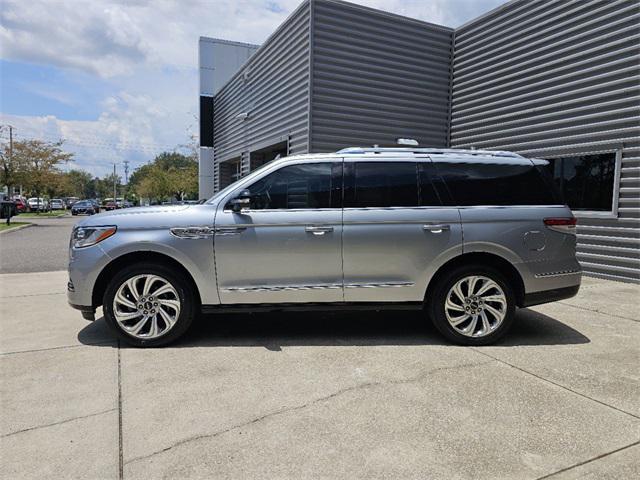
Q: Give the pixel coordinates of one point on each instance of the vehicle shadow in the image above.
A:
(362, 328)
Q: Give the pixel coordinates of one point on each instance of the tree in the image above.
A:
(10, 170)
(170, 175)
(104, 186)
(39, 163)
(78, 183)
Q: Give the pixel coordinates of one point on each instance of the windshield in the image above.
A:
(81, 204)
(228, 188)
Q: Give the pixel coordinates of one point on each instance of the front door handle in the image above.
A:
(436, 227)
(317, 230)
(230, 230)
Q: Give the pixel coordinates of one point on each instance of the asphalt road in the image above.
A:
(39, 248)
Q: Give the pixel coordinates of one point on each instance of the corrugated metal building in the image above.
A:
(560, 79)
(553, 79)
(334, 74)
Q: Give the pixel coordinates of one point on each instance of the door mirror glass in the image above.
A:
(240, 202)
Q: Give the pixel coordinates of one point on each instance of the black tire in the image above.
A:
(180, 283)
(437, 300)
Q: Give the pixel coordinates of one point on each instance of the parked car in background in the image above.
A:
(110, 206)
(21, 204)
(38, 204)
(84, 207)
(69, 201)
(368, 228)
(8, 208)
(56, 204)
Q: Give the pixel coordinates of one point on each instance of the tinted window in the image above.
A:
(382, 184)
(495, 184)
(586, 181)
(427, 183)
(295, 186)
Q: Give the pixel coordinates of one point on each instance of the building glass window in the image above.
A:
(586, 182)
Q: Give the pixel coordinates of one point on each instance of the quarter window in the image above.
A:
(586, 181)
(294, 187)
(496, 184)
(382, 184)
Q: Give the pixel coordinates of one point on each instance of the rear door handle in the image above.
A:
(317, 230)
(436, 227)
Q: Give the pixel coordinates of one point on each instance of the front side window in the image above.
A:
(382, 184)
(496, 184)
(293, 187)
(586, 181)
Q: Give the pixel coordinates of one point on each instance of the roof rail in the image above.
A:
(430, 151)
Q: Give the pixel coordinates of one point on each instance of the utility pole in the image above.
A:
(10, 127)
(126, 180)
(114, 183)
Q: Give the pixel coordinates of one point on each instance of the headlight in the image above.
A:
(87, 236)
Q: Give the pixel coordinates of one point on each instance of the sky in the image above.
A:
(118, 79)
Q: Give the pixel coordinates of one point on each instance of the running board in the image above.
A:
(305, 307)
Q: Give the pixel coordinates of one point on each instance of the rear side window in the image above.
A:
(381, 184)
(495, 184)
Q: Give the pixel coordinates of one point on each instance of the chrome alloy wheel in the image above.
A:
(475, 306)
(146, 306)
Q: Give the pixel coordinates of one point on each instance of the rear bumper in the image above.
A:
(546, 296)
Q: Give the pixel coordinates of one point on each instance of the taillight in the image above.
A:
(562, 225)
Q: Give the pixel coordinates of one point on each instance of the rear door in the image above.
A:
(395, 230)
(503, 203)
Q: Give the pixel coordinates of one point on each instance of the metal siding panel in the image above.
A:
(273, 87)
(546, 78)
(377, 77)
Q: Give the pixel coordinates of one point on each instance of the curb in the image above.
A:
(15, 229)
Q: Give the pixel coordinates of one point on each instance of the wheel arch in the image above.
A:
(483, 258)
(113, 267)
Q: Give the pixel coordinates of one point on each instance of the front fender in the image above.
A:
(194, 254)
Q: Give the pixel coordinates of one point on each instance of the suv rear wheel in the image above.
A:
(473, 305)
(149, 305)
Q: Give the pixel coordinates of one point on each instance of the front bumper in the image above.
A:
(88, 313)
(85, 264)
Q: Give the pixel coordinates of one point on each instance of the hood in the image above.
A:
(153, 217)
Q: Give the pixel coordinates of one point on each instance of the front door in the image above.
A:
(395, 230)
(287, 246)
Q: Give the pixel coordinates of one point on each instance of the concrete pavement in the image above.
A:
(358, 395)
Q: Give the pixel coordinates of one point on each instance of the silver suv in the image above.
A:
(465, 235)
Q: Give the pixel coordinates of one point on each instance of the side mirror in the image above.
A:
(241, 202)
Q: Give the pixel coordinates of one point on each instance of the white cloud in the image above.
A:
(131, 126)
(147, 51)
(112, 37)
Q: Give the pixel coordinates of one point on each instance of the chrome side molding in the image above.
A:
(333, 286)
(192, 233)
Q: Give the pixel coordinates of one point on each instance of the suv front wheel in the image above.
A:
(472, 305)
(149, 305)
